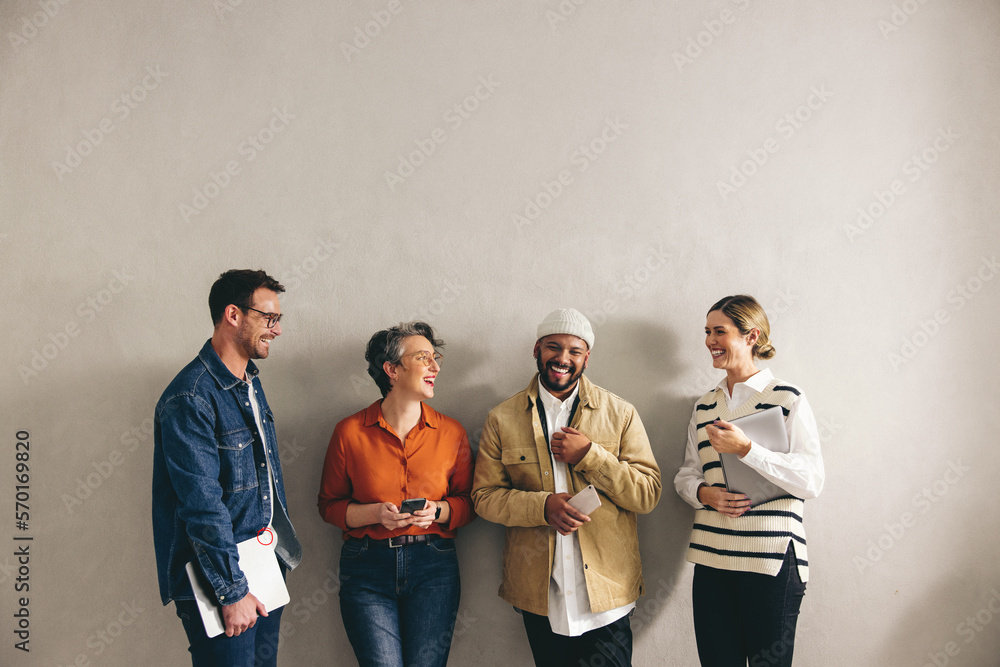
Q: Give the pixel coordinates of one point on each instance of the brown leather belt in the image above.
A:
(399, 540)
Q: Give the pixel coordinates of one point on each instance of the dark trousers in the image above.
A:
(610, 646)
(743, 616)
(256, 647)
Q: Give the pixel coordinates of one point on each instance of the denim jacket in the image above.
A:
(210, 480)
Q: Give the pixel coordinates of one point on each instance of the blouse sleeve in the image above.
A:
(800, 471)
(690, 476)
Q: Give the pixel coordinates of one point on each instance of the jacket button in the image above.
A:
(546, 472)
(522, 458)
(263, 465)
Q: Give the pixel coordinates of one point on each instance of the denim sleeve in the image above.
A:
(191, 451)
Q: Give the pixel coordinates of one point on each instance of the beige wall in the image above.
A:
(675, 151)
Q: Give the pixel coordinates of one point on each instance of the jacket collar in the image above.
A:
(588, 397)
(218, 370)
(428, 415)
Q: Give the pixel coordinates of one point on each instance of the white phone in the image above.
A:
(586, 501)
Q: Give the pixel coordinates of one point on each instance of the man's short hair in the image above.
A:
(387, 345)
(236, 287)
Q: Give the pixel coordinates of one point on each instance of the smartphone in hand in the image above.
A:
(411, 505)
(586, 501)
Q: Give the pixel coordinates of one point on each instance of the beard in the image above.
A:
(556, 386)
(249, 341)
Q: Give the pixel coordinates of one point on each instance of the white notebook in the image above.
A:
(263, 574)
(767, 429)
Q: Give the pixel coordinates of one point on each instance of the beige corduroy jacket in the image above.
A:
(514, 477)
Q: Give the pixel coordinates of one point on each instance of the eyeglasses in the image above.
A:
(272, 318)
(424, 357)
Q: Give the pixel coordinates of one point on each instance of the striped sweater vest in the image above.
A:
(757, 540)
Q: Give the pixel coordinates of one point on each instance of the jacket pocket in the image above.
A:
(236, 469)
(523, 468)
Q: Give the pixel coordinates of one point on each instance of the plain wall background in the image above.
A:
(889, 322)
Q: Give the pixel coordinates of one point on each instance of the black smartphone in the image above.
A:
(411, 505)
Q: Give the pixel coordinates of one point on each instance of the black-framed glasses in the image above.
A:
(272, 318)
(424, 357)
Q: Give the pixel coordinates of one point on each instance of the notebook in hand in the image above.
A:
(263, 574)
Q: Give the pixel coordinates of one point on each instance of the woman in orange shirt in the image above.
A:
(399, 581)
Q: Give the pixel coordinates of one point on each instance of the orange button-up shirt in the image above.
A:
(367, 463)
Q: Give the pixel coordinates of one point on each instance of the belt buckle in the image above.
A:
(392, 542)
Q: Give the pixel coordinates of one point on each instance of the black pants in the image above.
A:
(743, 616)
(610, 646)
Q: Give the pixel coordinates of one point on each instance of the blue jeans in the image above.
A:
(256, 647)
(742, 617)
(399, 604)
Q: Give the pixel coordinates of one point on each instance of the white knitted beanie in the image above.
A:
(567, 321)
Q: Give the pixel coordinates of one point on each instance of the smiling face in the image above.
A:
(561, 360)
(410, 377)
(254, 336)
(731, 351)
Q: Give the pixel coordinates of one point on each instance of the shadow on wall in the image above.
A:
(637, 359)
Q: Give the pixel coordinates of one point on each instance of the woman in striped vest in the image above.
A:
(751, 565)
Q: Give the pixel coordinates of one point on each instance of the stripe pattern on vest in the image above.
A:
(757, 540)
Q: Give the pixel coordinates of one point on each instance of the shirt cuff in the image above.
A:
(755, 457)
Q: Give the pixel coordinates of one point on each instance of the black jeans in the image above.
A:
(610, 646)
(744, 616)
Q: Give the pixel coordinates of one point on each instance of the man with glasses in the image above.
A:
(574, 574)
(217, 479)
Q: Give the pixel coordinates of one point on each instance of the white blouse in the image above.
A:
(800, 471)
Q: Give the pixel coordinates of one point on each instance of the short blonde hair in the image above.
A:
(747, 314)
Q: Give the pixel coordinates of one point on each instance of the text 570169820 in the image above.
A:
(22, 543)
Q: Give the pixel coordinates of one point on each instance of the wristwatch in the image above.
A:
(437, 514)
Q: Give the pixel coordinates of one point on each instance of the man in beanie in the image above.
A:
(574, 578)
